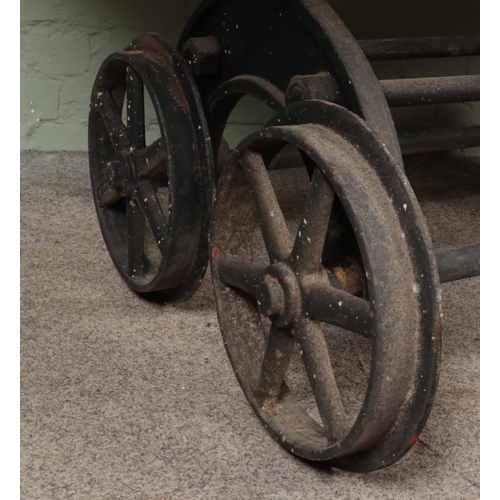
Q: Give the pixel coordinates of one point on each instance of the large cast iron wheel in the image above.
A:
(401, 316)
(127, 174)
(257, 47)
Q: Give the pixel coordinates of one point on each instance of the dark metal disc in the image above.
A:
(275, 40)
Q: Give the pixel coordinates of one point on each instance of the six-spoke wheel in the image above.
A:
(153, 200)
(293, 292)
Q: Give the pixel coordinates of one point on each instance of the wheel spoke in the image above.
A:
(310, 240)
(151, 208)
(135, 110)
(314, 352)
(240, 274)
(279, 350)
(108, 195)
(136, 225)
(271, 220)
(113, 122)
(331, 305)
(149, 159)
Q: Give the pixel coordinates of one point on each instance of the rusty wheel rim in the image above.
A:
(294, 292)
(127, 175)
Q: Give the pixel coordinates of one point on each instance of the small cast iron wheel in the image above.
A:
(401, 319)
(127, 174)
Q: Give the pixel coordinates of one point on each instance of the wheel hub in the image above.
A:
(279, 296)
(119, 176)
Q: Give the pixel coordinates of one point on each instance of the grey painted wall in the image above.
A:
(63, 43)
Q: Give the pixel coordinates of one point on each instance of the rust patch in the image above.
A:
(413, 440)
(177, 93)
(350, 277)
(173, 85)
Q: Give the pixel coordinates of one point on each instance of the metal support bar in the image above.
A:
(439, 139)
(458, 263)
(414, 48)
(417, 91)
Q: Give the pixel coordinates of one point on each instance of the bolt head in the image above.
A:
(115, 174)
(322, 86)
(270, 297)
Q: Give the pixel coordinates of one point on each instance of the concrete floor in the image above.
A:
(125, 398)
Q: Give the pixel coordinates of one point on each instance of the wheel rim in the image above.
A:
(293, 292)
(127, 175)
